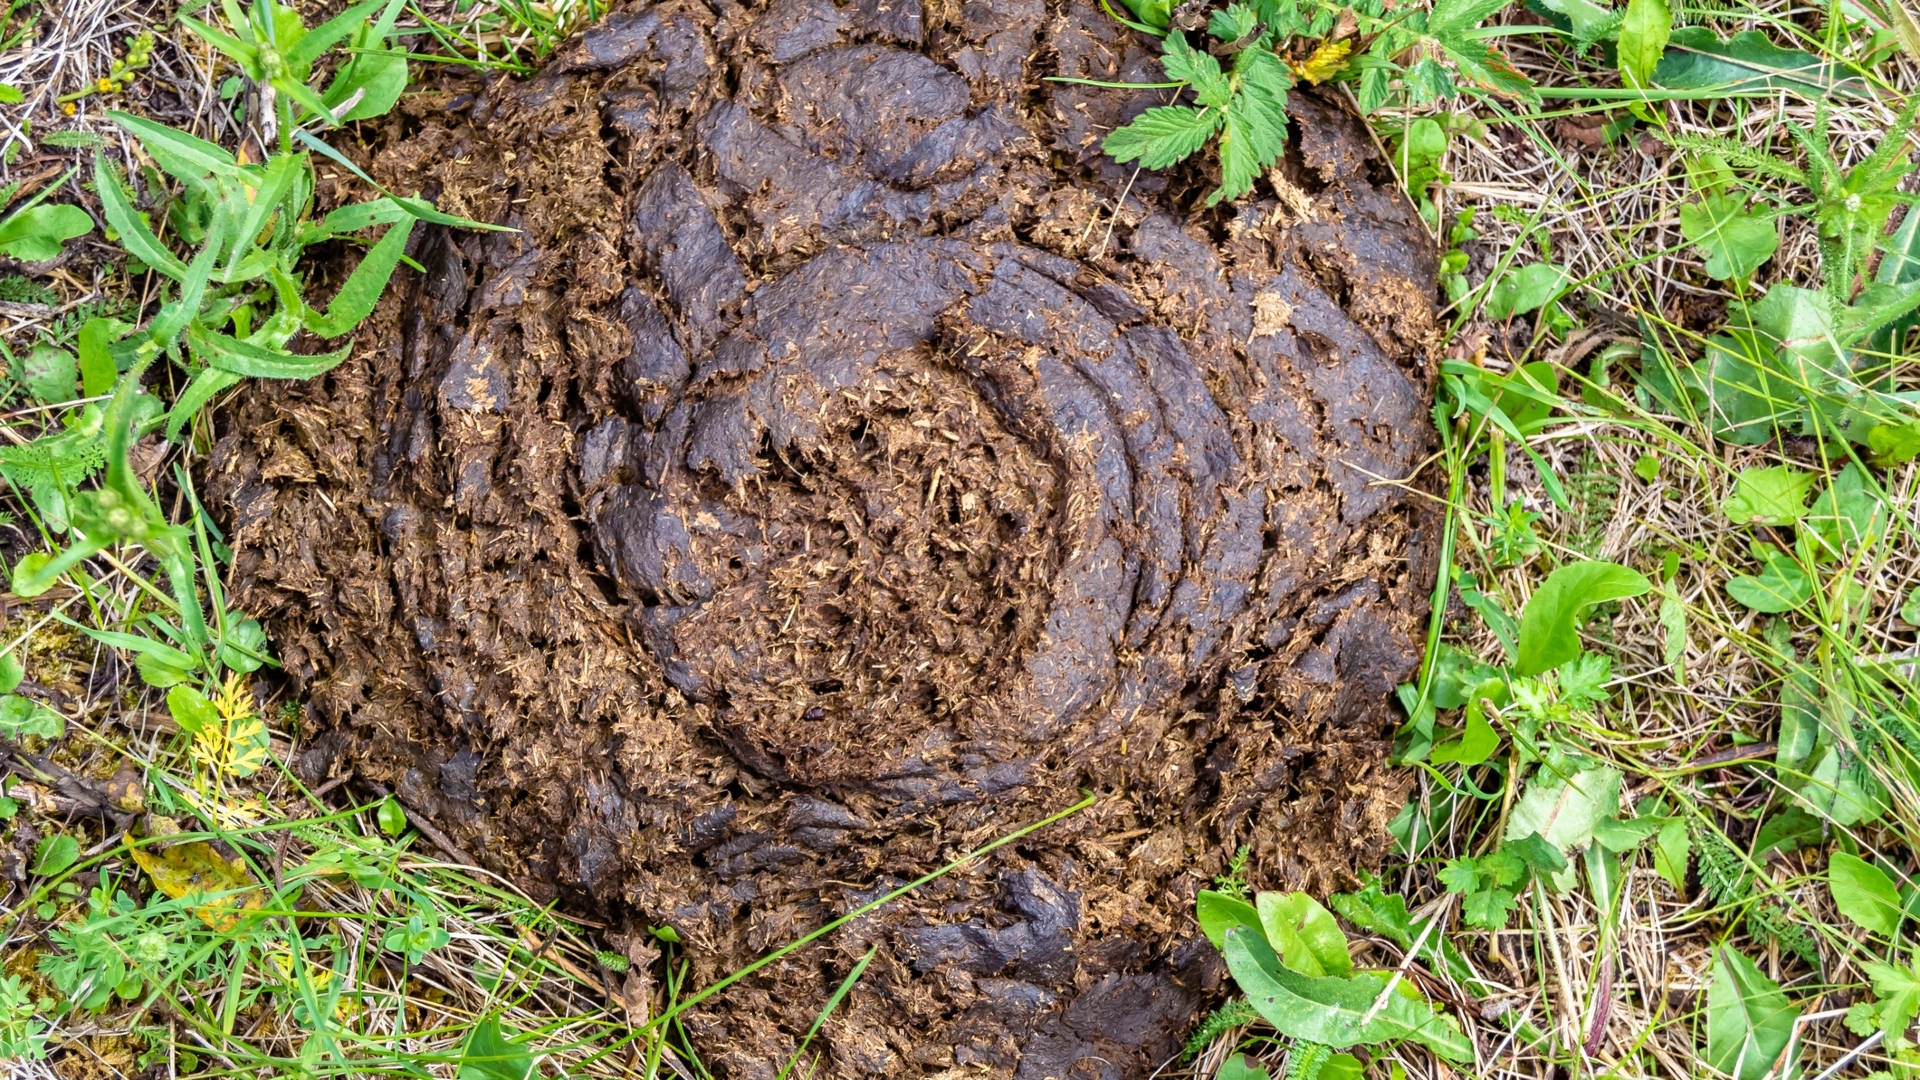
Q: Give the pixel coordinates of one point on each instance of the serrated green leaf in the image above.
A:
(1588, 22)
(242, 358)
(1899, 990)
(1162, 136)
(1231, 23)
(1199, 70)
(1452, 17)
(1248, 144)
(1490, 909)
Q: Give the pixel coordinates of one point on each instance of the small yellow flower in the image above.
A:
(69, 108)
(105, 86)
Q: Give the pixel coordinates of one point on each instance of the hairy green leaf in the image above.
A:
(362, 290)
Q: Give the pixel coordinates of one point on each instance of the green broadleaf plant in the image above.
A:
(1749, 1021)
(1864, 893)
(1550, 625)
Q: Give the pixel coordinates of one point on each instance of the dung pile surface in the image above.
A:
(820, 483)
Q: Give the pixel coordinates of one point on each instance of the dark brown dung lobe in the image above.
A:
(821, 483)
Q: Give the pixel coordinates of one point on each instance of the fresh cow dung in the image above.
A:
(841, 465)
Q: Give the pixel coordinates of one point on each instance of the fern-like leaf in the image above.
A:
(1236, 1013)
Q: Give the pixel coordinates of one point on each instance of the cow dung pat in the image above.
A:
(839, 465)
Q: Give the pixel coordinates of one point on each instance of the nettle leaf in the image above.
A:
(1734, 241)
(1864, 893)
(1698, 59)
(1780, 587)
(1526, 289)
(1305, 933)
(1776, 495)
(1162, 136)
(1550, 625)
(1749, 1021)
(1232, 22)
(1198, 69)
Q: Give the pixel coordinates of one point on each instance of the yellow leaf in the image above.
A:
(1325, 63)
(197, 869)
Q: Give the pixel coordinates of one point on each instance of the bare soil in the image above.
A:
(821, 482)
